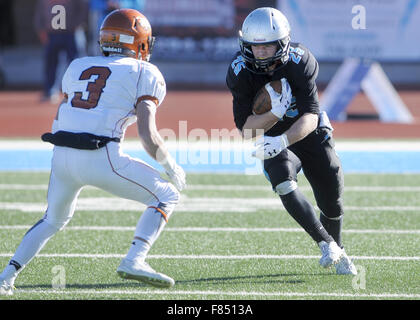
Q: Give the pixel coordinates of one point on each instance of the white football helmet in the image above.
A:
(263, 26)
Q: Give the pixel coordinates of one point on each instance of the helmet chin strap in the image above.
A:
(254, 70)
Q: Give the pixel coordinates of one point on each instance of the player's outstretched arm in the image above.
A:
(146, 126)
(154, 144)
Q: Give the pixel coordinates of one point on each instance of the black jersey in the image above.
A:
(300, 71)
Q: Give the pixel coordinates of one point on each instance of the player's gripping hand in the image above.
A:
(280, 102)
(175, 173)
(269, 147)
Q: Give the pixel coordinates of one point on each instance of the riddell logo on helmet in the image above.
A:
(259, 39)
(112, 49)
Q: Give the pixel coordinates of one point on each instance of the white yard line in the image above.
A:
(207, 187)
(215, 229)
(303, 188)
(5, 186)
(189, 204)
(210, 257)
(222, 293)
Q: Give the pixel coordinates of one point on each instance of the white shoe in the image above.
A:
(331, 253)
(141, 271)
(345, 265)
(6, 289)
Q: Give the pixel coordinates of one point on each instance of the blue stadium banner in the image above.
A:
(381, 30)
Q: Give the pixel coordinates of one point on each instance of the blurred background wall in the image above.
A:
(196, 39)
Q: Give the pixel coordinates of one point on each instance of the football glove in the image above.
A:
(269, 147)
(175, 173)
(280, 102)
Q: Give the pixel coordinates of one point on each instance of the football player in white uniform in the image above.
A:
(103, 96)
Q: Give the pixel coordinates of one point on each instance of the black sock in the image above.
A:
(333, 227)
(304, 213)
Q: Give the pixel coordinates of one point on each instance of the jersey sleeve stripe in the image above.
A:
(142, 98)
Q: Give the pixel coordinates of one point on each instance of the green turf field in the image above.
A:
(230, 238)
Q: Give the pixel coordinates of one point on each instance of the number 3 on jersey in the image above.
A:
(94, 88)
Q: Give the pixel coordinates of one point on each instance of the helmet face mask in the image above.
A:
(265, 26)
(126, 32)
(262, 66)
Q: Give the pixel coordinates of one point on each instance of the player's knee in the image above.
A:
(173, 195)
(286, 187)
(168, 194)
(55, 222)
(168, 197)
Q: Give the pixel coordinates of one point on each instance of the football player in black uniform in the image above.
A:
(296, 135)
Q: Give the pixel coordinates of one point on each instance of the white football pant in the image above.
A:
(108, 169)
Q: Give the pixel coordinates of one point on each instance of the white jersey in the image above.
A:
(103, 92)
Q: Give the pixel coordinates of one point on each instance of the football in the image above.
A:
(262, 101)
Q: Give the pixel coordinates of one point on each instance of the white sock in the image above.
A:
(9, 274)
(138, 250)
(148, 229)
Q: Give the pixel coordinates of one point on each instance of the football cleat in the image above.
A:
(345, 265)
(6, 289)
(331, 253)
(141, 271)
